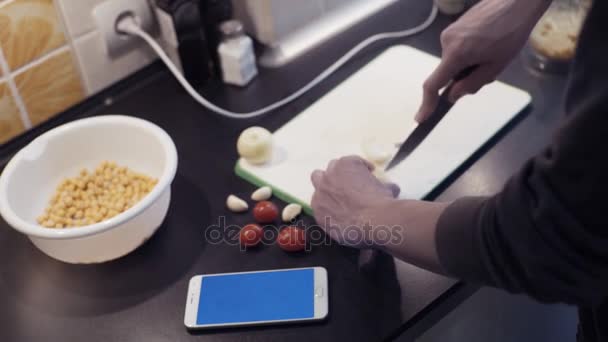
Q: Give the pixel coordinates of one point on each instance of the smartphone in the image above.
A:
(257, 298)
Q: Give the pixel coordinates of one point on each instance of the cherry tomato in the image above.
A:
(251, 235)
(265, 212)
(292, 239)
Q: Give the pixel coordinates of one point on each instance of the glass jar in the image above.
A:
(553, 41)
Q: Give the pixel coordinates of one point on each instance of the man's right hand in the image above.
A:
(489, 35)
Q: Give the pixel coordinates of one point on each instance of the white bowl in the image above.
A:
(32, 175)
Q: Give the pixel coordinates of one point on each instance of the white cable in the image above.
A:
(129, 25)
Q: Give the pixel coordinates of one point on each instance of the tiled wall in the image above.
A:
(52, 57)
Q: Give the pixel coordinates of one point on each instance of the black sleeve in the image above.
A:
(546, 232)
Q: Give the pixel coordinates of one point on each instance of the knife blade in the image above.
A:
(426, 127)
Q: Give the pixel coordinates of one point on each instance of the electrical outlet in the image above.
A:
(106, 15)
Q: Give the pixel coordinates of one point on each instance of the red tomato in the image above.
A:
(292, 239)
(265, 212)
(251, 235)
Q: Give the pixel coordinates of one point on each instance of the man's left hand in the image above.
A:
(346, 194)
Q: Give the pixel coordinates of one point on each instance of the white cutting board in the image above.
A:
(380, 102)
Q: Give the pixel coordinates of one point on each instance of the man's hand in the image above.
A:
(345, 195)
(358, 210)
(489, 35)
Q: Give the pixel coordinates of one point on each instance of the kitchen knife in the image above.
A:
(424, 129)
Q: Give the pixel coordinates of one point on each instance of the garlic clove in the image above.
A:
(377, 152)
(236, 204)
(291, 212)
(262, 194)
(381, 175)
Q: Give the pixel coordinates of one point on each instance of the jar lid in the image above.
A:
(231, 28)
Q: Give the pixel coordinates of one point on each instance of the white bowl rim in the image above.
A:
(36, 230)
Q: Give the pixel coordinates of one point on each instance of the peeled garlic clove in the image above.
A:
(291, 212)
(262, 194)
(377, 152)
(236, 204)
(255, 145)
(381, 175)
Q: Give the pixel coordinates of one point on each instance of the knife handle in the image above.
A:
(464, 73)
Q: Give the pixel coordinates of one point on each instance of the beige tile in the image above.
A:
(10, 121)
(28, 30)
(50, 87)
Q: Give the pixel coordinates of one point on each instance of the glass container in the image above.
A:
(552, 44)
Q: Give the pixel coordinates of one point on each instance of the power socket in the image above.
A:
(106, 15)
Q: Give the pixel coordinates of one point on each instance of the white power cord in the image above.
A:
(128, 25)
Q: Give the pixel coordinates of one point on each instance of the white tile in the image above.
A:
(77, 15)
(99, 70)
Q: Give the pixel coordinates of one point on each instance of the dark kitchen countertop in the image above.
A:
(141, 297)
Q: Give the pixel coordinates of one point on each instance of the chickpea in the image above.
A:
(42, 219)
(68, 200)
(92, 197)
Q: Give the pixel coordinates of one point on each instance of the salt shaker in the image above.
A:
(236, 54)
(451, 7)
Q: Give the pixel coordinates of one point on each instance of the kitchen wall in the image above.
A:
(52, 57)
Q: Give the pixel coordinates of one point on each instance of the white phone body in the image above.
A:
(226, 307)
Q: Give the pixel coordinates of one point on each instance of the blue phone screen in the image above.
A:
(255, 297)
